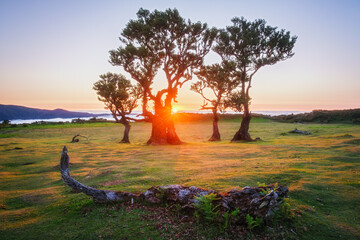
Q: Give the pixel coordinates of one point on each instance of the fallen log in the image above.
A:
(256, 201)
(75, 139)
(98, 195)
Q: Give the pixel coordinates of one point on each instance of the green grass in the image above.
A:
(321, 170)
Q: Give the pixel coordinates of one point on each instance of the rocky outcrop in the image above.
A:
(256, 201)
(300, 132)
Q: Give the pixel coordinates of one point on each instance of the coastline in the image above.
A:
(106, 115)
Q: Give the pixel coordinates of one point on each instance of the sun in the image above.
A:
(174, 110)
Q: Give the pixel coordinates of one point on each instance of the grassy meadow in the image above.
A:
(321, 171)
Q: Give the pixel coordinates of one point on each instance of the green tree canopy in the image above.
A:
(162, 40)
(220, 80)
(119, 96)
(249, 46)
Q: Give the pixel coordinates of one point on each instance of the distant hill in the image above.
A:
(12, 112)
(316, 116)
(323, 116)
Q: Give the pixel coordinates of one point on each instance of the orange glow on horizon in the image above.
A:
(98, 106)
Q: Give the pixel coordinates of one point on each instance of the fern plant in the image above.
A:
(229, 216)
(252, 223)
(205, 208)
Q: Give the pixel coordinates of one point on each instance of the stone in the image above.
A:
(263, 204)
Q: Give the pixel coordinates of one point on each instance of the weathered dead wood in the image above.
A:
(98, 195)
(76, 138)
(300, 132)
(256, 201)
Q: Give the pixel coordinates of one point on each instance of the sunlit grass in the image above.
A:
(34, 201)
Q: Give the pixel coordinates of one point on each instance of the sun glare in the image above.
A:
(174, 110)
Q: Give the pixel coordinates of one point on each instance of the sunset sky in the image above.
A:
(51, 52)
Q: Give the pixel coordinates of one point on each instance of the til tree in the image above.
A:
(120, 97)
(162, 40)
(250, 46)
(220, 80)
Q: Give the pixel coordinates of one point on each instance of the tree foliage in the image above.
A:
(162, 40)
(118, 95)
(220, 79)
(250, 46)
(235, 100)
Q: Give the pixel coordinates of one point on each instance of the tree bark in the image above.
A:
(126, 132)
(158, 128)
(216, 134)
(243, 133)
(163, 130)
(171, 135)
(98, 195)
(158, 131)
(163, 127)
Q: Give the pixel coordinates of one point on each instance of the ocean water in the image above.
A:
(106, 115)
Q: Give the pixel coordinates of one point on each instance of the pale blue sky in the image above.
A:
(51, 52)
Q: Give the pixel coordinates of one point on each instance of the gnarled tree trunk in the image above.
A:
(216, 134)
(163, 127)
(158, 127)
(158, 131)
(124, 121)
(126, 132)
(171, 135)
(243, 133)
(163, 130)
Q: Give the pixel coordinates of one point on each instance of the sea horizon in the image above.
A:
(107, 115)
